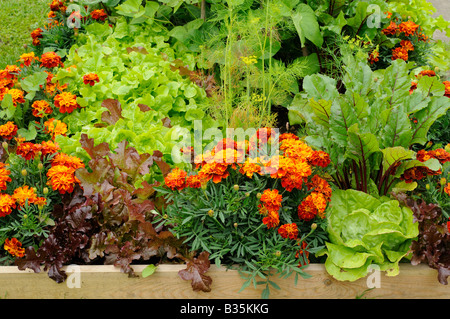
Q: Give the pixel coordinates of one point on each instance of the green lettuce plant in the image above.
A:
(366, 232)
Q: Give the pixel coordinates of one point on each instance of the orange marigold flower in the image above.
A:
(57, 5)
(176, 179)
(407, 45)
(8, 130)
(417, 173)
(40, 202)
(66, 102)
(99, 14)
(4, 177)
(214, 171)
(296, 149)
(373, 56)
(49, 147)
(271, 199)
(388, 14)
(441, 155)
(28, 58)
(50, 60)
(422, 37)
(17, 96)
(447, 190)
(320, 202)
(28, 150)
(399, 53)
(250, 167)
(408, 28)
(391, 29)
(37, 33)
(91, 79)
(41, 108)
(14, 247)
(7, 204)
(55, 127)
(23, 194)
(319, 158)
(67, 160)
(320, 185)
(291, 172)
(307, 209)
(429, 73)
(447, 88)
(272, 219)
(286, 136)
(423, 155)
(288, 231)
(62, 178)
(193, 181)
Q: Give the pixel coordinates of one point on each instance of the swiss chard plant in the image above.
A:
(370, 126)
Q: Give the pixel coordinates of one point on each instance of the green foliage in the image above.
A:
(365, 231)
(136, 68)
(369, 130)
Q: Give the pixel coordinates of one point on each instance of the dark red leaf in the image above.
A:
(195, 271)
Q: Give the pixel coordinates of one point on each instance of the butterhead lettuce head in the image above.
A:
(365, 231)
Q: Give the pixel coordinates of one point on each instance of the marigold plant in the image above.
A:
(264, 208)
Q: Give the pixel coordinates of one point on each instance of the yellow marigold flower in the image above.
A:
(24, 193)
(7, 204)
(14, 247)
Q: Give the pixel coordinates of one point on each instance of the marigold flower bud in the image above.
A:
(278, 253)
(210, 213)
(258, 196)
(235, 225)
(427, 186)
(313, 226)
(443, 181)
(40, 166)
(45, 191)
(5, 145)
(24, 172)
(236, 187)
